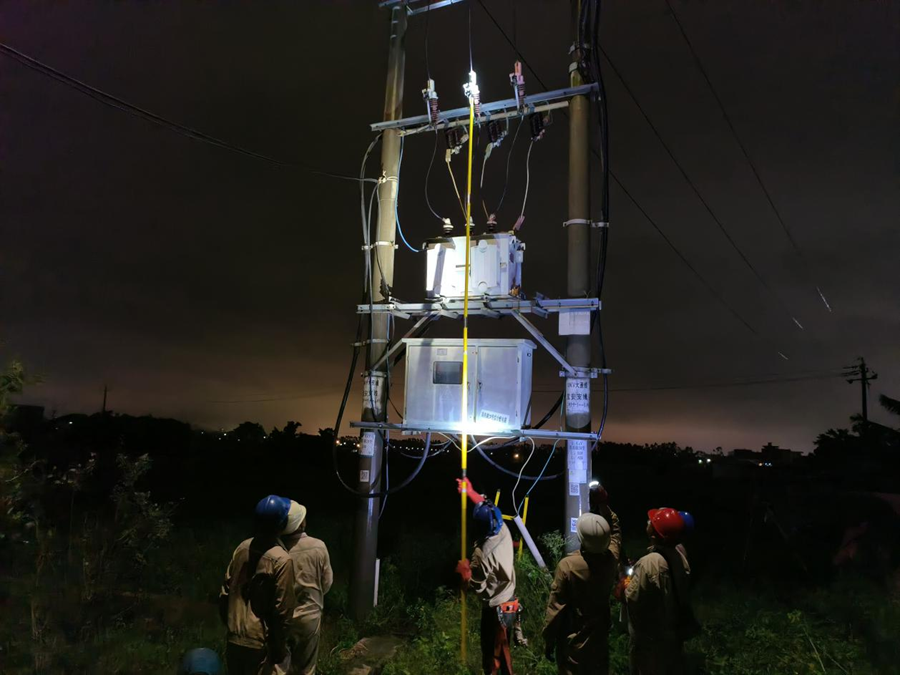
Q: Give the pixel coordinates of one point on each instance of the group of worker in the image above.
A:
(656, 591)
(272, 598)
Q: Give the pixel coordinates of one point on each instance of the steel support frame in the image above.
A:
(448, 117)
(543, 434)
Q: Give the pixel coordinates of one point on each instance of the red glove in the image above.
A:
(464, 570)
(474, 497)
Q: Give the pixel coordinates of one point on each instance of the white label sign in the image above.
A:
(363, 476)
(495, 417)
(367, 446)
(578, 395)
(573, 526)
(574, 489)
(373, 393)
(575, 323)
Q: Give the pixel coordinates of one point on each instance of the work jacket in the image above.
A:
(577, 620)
(654, 613)
(257, 598)
(312, 573)
(493, 572)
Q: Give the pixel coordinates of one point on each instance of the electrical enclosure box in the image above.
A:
(499, 384)
(495, 266)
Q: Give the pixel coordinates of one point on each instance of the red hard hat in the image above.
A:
(667, 523)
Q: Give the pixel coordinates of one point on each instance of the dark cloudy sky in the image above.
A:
(183, 275)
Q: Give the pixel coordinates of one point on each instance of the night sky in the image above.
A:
(201, 284)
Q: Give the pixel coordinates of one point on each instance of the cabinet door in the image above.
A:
(498, 373)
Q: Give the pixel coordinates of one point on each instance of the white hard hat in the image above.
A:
(296, 516)
(593, 533)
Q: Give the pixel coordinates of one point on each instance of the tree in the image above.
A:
(249, 432)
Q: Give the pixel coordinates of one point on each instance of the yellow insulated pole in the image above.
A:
(465, 382)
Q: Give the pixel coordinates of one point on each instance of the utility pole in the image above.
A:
(363, 586)
(859, 372)
(103, 411)
(578, 347)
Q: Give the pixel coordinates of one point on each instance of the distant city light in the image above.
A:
(699, 461)
(708, 461)
(516, 456)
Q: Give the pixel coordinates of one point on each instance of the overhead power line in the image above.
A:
(633, 200)
(743, 147)
(153, 118)
(696, 191)
(712, 385)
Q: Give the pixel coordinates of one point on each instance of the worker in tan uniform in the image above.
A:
(576, 629)
(491, 575)
(660, 617)
(257, 598)
(312, 580)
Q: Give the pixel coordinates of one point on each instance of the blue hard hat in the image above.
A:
(271, 514)
(688, 522)
(200, 662)
(488, 518)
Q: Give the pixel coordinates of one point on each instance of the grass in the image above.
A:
(850, 627)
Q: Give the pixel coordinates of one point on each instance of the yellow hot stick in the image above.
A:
(465, 379)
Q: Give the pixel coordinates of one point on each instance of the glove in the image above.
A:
(464, 569)
(474, 497)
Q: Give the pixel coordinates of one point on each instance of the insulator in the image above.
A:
(472, 92)
(517, 80)
(496, 132)
(536, 120)
(492, 222)
(431, 102)
(456, 136)
(448, 226)
(433, 110)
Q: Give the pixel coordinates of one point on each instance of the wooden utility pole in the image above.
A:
(105, 389)
(860, 372)
(363, 585)
(578, 347)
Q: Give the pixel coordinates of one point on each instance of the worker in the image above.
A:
(598, 498)
(492, 576)
(660, 617)
(577, 622)
(312, 580)
(257, 598)
(200, 662)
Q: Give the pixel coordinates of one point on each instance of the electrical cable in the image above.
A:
(540, 475)
(527, 179)
(377, 495)
(519, 479)
(428, 176)
(141, 113)
(508, 158)
(744, 149)
(631, 198)
(503, 469)
(456, 189)
(697, 193)
(397, 200)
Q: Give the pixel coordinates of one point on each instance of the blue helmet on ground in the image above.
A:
(200, 662)
(271, 514)
(488, 518)
(688, 522)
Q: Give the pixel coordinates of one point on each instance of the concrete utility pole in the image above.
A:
(578, 347)
(363, 586)
(863, 375)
